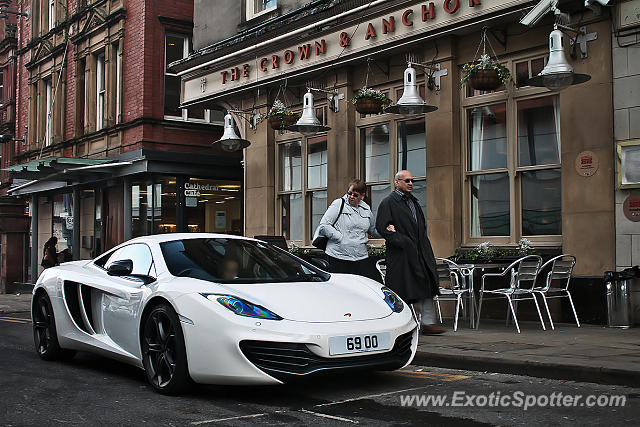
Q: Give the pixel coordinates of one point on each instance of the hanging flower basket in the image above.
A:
(279, 116)
(485, 80)
(369, 106)
(369, 101)
(281, 122)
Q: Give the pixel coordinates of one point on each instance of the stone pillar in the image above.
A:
(444, 198)
(260, 191)
(341, 142)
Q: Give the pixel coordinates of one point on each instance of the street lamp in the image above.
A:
(230, 141)
(410, 102)
(558, 74)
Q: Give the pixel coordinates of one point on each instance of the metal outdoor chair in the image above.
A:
(560, 276)
(381, 266)
(453, 286)
(523, 279)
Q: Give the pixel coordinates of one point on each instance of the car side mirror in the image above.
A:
(320, 263)
(122, 267)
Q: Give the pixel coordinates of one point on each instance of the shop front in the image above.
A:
(493, 166)
(102, 203)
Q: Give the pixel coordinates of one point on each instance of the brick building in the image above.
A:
(108, 153)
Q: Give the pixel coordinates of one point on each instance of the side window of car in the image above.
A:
(139, 253)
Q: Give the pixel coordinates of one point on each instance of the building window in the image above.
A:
(262, 5)
(302, 186)
(177, 47)
(512, 172)
(255, 8)
(52, 14)
(387, 145)
(100, 91)
(49, 112)
(118, 88)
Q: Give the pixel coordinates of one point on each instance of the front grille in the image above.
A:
(283, 360)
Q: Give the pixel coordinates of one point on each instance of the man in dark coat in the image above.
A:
(411, 265)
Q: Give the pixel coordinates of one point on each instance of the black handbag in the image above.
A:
(320, 242)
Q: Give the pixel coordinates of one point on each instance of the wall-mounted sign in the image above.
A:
(384, 31)
(69, 222)
(221, 219)
(587, 163)
(194, 189)
(631, 207)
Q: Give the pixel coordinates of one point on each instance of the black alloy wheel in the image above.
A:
(45, 336)
(163, 351)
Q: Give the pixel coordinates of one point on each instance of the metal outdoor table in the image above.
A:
(468, 270)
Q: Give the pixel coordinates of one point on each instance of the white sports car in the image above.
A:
(219, 309)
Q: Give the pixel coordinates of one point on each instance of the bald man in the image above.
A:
(411, 265)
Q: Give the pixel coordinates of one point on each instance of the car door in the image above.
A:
(121, 308)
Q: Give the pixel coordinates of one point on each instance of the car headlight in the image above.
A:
(242, 307)
(393, 301)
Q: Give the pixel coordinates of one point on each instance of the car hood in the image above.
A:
(344, 297)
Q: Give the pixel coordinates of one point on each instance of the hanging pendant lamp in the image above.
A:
(410, 102)
(308, 123)
(558, 73)
(230, 141)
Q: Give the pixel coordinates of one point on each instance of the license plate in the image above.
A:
(359, 343)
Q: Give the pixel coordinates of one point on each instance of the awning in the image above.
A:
(54, 173)
(40, 168)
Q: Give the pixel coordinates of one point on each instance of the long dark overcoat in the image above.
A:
(411, 265)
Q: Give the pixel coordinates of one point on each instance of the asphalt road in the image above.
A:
(91, 390)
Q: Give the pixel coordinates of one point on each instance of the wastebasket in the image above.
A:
(619, 304)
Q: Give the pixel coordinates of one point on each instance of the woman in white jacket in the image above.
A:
(347, 245)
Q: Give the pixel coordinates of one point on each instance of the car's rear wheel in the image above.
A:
(45, 336)
(164, 355)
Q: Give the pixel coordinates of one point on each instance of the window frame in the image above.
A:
(101, 85)
(304, 191)
(186, 44)
(394, 92)
(49, 102)
(252, 12)
(510, 97)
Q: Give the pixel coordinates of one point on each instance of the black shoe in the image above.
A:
(430, 330)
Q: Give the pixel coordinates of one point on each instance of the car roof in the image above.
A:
(159, 238)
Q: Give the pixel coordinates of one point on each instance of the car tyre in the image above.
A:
(164, 355)
(45, 336)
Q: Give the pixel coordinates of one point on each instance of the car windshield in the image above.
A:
(236, 261)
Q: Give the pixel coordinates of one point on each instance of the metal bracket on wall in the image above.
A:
(581, 40)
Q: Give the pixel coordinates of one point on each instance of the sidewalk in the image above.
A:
(15, 303)
(589, 353)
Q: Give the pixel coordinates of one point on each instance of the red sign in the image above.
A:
(386, 25)
(631, 207)
(587, 163)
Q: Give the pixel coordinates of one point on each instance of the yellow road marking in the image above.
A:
(15, 318)
(438, 375)
(15, 321)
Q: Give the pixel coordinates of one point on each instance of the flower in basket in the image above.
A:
(525, 247)
(485, 63)
(280, 116)
(370, 101)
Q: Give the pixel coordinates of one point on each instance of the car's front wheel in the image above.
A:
(164, 355)
(45, 336)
